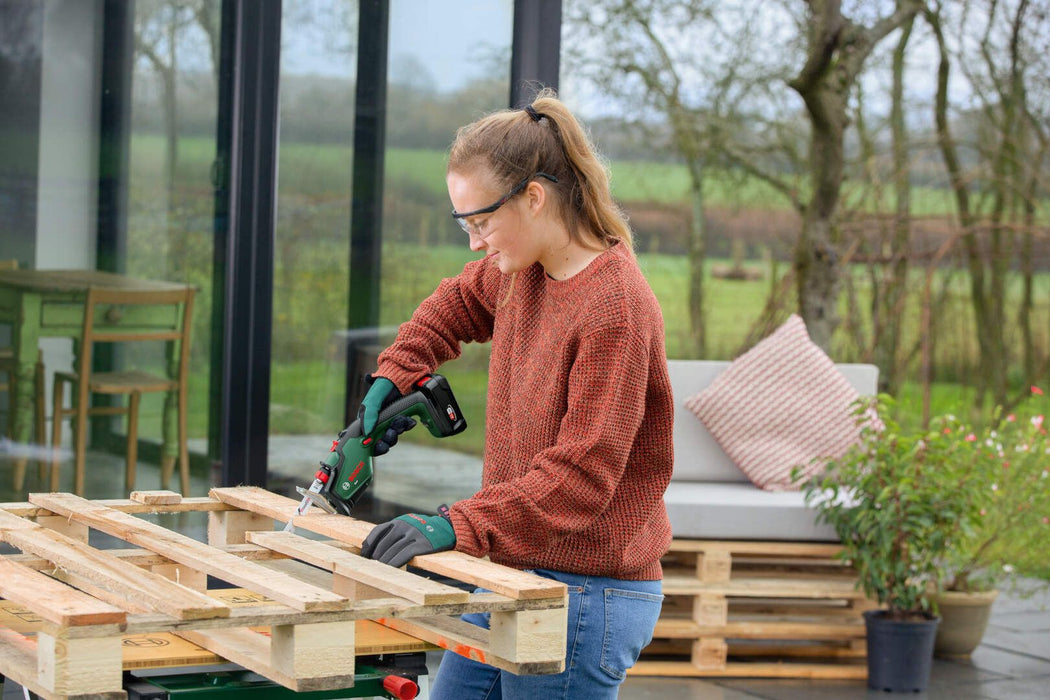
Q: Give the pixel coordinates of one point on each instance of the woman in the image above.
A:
(578, 435)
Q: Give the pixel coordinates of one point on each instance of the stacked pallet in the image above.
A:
(87, 601)
(758, 609)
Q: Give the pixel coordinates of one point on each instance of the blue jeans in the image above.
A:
(610, 622)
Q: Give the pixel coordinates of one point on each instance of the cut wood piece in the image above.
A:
(252, 650)
(123, 580)
(189, 552)
(390, 580)
(470, 641)
(463, 567)
(54, 601)
(156, 498)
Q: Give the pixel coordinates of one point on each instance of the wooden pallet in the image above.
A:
(87, 600)
(758, 609)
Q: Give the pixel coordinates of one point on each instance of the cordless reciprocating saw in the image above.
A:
(347, 470)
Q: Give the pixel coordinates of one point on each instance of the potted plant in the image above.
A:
(898, 500)
(1011, 477)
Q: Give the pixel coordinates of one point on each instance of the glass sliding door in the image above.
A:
(107, 124)
(436, 82)
(312, 245)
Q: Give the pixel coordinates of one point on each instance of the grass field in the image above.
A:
(310, 270)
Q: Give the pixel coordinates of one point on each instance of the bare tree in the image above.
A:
(836, 49)
(680, 63)
(996, 63)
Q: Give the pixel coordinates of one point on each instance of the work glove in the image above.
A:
(395, 542)
(382, 393)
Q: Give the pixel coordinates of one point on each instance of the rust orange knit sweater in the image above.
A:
(578, 438)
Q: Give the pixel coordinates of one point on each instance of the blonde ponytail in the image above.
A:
(546, 137)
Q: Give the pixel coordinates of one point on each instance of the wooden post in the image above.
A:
(69, 528)
(313, 650)
(79, 666)
(228, 526)
(710, 653)
(710, 610)
(713, 566)
(529, 635)
(184, 575)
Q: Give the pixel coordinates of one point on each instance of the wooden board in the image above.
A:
(124, 580)
(187, 551)
(54, 601)
(480, 572)
(394, 581)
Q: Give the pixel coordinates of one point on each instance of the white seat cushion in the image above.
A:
(739, 511)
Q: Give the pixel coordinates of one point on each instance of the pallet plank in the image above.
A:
(746, 669)
(108, 572)
(469, 641)
(189, 552)
(480, 572)
(188, 504)
(54, 601)
(390, 580)
(761, 587)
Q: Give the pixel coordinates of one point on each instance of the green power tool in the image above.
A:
(347, 470)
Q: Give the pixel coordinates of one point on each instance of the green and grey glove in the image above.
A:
(395, 542)
(382, 393)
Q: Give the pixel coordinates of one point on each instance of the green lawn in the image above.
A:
(310, 299)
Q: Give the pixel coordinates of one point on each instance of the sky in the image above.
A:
(449, 42)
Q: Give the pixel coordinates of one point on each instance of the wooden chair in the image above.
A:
(8, 367)
(124, 317)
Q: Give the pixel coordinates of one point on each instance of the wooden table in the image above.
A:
(50, 303)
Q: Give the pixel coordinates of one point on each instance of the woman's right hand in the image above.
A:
(381, 394)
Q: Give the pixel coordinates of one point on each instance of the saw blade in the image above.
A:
(315, 499)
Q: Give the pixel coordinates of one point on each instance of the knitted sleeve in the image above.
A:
(570, 483)
(460, 310)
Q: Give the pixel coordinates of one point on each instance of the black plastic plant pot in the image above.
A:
(900, 653)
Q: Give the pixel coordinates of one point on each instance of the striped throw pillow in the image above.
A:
(781, 404)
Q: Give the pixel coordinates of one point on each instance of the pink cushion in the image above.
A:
(781, 404)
